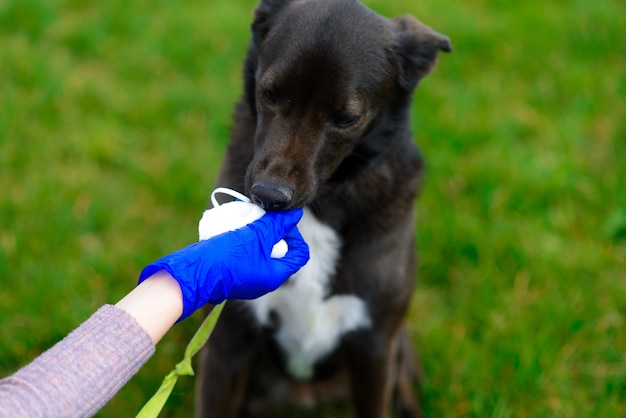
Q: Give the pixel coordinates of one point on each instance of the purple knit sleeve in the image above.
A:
(81, 373)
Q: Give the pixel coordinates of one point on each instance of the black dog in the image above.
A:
(324, 125)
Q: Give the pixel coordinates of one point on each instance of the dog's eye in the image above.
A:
(269, 96)
(345, 121)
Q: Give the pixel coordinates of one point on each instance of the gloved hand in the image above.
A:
(236, 264)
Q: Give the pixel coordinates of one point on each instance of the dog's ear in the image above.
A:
(264, 16)
(417, 49)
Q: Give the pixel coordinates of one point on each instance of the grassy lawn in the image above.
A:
(114, 116)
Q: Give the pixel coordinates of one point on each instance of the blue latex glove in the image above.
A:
(237, 264)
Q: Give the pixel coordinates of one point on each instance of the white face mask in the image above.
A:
(231, 216)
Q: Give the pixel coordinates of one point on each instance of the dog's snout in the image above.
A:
(271, 196)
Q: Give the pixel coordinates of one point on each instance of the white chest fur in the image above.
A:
(311, 323)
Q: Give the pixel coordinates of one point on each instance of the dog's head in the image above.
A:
(322, 75)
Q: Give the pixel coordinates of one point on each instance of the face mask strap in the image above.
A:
(230, 192)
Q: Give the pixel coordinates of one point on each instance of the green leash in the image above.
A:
(153, 407)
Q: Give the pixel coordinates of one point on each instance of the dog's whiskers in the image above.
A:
(335, 192)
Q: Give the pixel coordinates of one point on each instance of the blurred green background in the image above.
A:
(114, 116)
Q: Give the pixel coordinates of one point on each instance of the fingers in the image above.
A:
(275, 225)
(298, 252)
(297, 256)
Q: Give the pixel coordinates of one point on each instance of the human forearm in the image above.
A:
(78, 375)
(156, 304)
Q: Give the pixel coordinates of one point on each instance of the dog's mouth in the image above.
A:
(275, 194)
(277, 197)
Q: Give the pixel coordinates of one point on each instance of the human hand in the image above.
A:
(237, 264)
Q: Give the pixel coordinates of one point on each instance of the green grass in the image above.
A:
(114, 117)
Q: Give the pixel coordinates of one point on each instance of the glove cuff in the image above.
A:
(187, 293)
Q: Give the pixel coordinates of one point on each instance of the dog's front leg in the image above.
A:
(371, 371)
(225, 363)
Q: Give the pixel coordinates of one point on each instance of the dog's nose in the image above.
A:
(271, 196)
